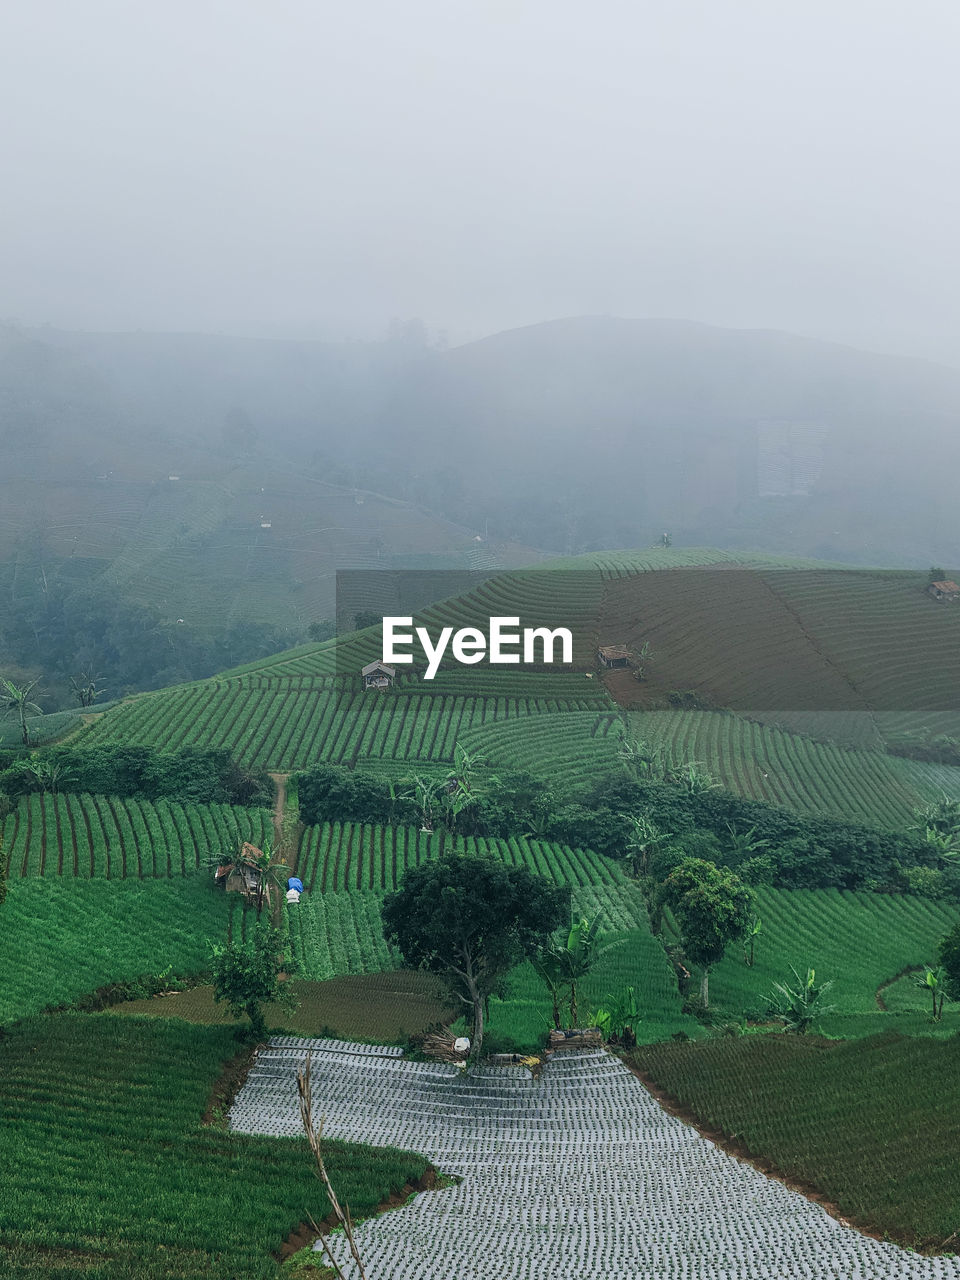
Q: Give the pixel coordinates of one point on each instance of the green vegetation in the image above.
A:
(860, 941)
(765, 763)
(872, 1124)
(63, 938)
(248, 973)
(108, 1172)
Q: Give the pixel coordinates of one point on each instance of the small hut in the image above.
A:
(613, 655)
(377, 675)
(945, 589)
(244, 874)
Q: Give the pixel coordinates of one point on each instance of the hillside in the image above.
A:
(787, 693)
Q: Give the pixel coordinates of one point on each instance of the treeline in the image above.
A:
(68, 629)
(785, 849)
(194, 774)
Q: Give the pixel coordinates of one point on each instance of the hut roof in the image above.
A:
(613, 651)
(371, 667)
(947, 586)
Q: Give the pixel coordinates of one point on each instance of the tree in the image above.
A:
(798, 1007)
(85, 689)
(566, 963)
(16, 699)
(646, 840)
(469, 919)
(424, 792)
(247, 976)
(712, 907)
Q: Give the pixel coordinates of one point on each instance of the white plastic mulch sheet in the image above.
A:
(580, 1173)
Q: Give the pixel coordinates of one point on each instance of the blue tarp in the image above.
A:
(295, 883)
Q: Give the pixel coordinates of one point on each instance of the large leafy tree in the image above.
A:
(712, 908)
(469, 918)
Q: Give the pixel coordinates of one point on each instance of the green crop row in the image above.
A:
(346, 856)
(119, 839)
(768, 764)
(107, 1171)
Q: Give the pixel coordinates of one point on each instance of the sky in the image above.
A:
(308, 168)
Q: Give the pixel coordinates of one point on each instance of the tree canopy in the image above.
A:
(469, 918)
(712, 908)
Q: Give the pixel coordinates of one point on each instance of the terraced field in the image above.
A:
(99, 837)
(769, 764)
(340, 857)
(292, 724)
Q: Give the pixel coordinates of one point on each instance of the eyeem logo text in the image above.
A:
(470, 645)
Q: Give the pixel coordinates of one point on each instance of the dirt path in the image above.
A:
(911, 968)
(289, 855)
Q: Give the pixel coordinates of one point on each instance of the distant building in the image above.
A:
(377, 675)
(613, 655)
(945, 589)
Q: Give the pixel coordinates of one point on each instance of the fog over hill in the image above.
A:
(569, 435)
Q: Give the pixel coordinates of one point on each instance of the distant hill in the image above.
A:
(570, 435)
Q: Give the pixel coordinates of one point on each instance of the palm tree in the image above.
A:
(16, 700)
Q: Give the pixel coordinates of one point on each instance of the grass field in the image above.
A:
(873, 1124)
(860, 940)
(108, 1173)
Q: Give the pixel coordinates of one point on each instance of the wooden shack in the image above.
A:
(944, 590)
(377, 675)
(244, 874)
(613, 655)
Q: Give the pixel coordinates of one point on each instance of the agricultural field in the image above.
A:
(108, 1171)
(782, 641)
(293, 724)
(579, 1172)
(347, 867)
(872, 1124)
(64, 937)
(861, 941)
(770, 764)
(382, 1008)
(102, 837)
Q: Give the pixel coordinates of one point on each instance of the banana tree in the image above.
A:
(563, 965)
(934, 981)
(647, 839)
(620, 1015)
(425, 793)
(16, 701)
(750, 938)
(798, 1007)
